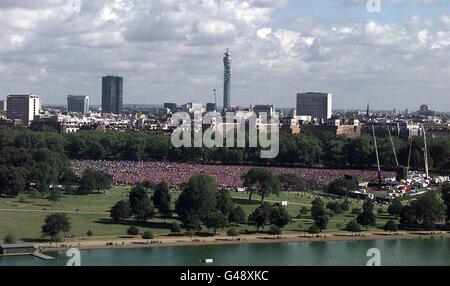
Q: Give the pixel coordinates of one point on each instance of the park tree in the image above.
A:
(260, 216)
(319, 214)
(141, 206)
(440, 154)
(161, 197)
(275, 230)
(353, 226)
(193, 223)
(12, 181)
(341, 187)
(133, 230)
(445, 193)
(232, 231)
(93, 180)
(69, 178)
(368, 206)
(9, 239)
(335, 206)
(261, 181)
(313, 229)
(33, 194)
(390, 226)
(303, 212)
(138, 193)
(121, 211)
(224, 202)
(345, 206)
(175, 228)
(148, 185)
(147, 235)
(308, 149)
(143, 210)
(54, 196)
(197, 198)
(395, 207)
(216, 220)
(359, 152)
(366, 219)
(321, 221)
(408, 218)
(429, 209)
(279, 217)
(55, 224)
(318, 208)
(237, 216)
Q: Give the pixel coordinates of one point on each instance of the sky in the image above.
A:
(172, 51)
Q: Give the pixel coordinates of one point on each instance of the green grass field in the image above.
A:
(24, 217)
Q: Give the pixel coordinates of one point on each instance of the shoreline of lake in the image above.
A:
(245, 239)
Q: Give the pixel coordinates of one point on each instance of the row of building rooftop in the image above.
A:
(313, 113)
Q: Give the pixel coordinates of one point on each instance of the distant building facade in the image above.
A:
(425, 111)
(112, 94)
(23, 108)
(78, 103)
(269, 110)
(49, 122)
(316, 105)
(171, 106)
(3, 106)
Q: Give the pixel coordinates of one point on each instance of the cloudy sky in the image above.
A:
(171, 51)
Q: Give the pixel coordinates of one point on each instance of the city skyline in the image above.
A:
(280, 48)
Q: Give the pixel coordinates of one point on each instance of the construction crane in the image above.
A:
(378, 158)
(409, 155)
(425, 152)
(393, 147)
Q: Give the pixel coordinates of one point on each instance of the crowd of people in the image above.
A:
(132, 172)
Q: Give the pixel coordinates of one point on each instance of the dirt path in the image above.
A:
(53, 211)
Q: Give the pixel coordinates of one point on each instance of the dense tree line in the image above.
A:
(303, 149)
(40, 159)
(30, 161)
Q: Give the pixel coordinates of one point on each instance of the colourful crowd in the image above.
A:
(132, 172)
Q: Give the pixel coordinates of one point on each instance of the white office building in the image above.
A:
(3, 106)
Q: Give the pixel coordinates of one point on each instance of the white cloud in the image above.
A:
(170, 50)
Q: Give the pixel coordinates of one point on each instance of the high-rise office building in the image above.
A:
(227, 81)
(316, 105)
(112, 94)
(23, 107)
(78, 103)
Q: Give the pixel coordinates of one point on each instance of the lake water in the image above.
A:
(426, 252)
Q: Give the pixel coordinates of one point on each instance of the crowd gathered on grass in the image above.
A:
(175, 174)
(49, 165)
